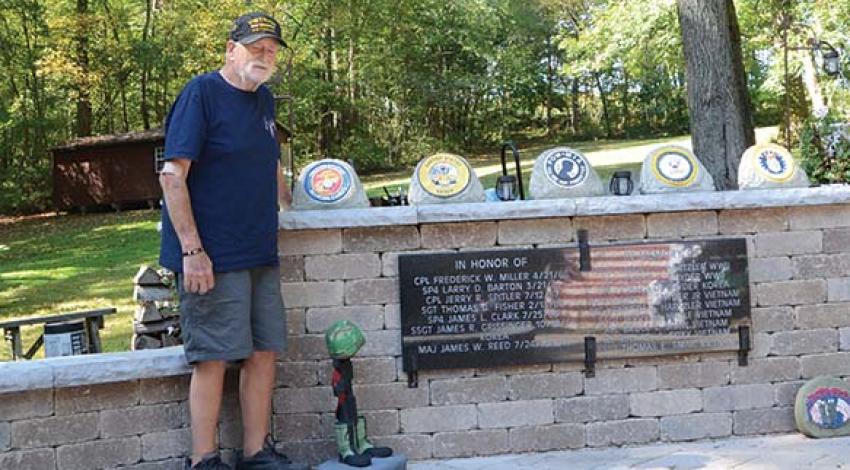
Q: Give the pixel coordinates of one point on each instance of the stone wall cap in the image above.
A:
(583, 206)
(88, 369)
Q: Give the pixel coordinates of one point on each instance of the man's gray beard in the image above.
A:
(245, 74)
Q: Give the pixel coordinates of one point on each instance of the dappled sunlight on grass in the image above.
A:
(72, 262)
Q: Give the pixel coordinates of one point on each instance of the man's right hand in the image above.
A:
(198, 274)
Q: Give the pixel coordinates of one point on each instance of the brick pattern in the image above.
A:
(799, 273)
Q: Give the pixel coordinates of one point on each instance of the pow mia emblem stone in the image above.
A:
(770, 166)
(822, 408)
(563, 172)
(444, 178)
(328, 184)
(671, 168)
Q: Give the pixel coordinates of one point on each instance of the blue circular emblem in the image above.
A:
(327, 181)
(565, 168)
(774, 163)
(829, 407)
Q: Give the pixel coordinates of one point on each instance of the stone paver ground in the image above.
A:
(783, 452)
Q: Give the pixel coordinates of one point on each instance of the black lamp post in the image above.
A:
(831, 62)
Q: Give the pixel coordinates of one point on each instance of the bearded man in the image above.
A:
(222, 184)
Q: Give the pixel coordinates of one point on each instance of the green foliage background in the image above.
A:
(383, 82)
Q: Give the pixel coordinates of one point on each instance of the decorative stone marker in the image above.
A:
(822, 408)
(671, 168)
(562, 172)
(328, 184)
(444, 178)
(770, 166)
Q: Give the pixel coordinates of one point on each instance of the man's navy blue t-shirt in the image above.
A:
(229, 135)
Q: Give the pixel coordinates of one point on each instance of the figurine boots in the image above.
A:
(364, 446)
(346, 445)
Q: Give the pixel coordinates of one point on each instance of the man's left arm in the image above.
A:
(284, 195)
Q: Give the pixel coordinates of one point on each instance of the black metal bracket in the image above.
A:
(510, 145)
(412, 369)
(583, 251)
(589, 356)
(743, 344)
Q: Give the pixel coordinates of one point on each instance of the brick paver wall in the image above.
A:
(799, 262)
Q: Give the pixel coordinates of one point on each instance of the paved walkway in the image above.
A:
(791, 452)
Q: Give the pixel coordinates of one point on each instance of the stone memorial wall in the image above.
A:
(128, 410)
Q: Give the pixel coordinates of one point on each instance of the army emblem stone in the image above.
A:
(822, 408)
(444, 178)
(443, 175)
(770, 166)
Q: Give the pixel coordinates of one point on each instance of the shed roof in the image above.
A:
(134, 137)
(113, 139)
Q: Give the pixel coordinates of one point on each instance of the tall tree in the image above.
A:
(720, 114)
(84, 110)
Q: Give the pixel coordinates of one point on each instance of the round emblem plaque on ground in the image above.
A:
(822, 408)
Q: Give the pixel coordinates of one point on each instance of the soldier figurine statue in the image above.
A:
(344, 339)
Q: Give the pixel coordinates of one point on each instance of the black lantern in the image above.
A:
(831, 59)
(621, 183)
(506, 187)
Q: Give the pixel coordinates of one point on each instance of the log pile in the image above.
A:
(157, 320)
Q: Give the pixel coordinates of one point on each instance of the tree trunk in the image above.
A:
(575, 118)
(146, 68)
(605, 113)
(84, 113)
(550, 78)
(719, 106)
(810, 79)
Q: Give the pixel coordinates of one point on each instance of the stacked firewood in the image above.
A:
(157, 320)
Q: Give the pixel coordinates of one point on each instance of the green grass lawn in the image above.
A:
(73, 262)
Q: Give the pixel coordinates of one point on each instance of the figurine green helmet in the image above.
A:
(344, 339)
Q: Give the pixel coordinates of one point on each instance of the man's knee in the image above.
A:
(209, 368)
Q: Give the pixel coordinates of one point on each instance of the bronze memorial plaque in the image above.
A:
(490, 308)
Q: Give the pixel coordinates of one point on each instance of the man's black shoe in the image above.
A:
(267, 459)
(209, 462)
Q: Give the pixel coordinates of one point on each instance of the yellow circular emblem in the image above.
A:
(773, 162)
(674, 165)
(443, 174)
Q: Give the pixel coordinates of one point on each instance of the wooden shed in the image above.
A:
(113, 170)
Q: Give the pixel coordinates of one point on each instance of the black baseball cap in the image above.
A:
(252, 27)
